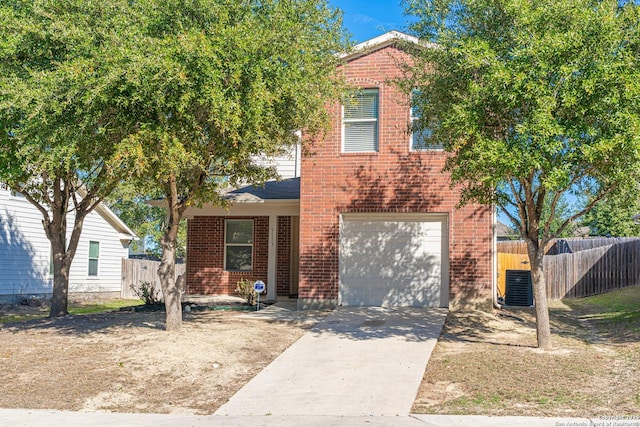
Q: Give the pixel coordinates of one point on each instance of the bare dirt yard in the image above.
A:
(484, 363)
(125, 361)
(488, 363)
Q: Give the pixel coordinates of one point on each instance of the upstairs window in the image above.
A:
(238, 242)
(94, 254)
(421, 139)
(360, 123)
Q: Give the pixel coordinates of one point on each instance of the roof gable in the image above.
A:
(114, 221)
(123, 232)
(380, 42)
(118, 225)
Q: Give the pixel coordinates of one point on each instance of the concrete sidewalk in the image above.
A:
(48, 418)
(366, 361)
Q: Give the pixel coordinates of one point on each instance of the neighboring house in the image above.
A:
(26, 268)
(369, 218)
(505, 232)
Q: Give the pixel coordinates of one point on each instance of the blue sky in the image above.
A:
(366, 19)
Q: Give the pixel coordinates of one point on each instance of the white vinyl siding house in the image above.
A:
(287, 165)
(25, 251)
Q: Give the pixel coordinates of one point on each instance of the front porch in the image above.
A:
(256, 238)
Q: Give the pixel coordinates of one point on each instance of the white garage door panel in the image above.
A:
(391, 262)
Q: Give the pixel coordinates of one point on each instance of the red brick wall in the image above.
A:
(391, 180)
(205, 255)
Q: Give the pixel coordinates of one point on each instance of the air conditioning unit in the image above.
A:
(519, 288)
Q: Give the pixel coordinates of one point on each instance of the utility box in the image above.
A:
(519, 288)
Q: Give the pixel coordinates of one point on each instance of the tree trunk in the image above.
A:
(543, 328)
(166, 273)
(59, 198)
(56, 230)
(60, 294)
(63, 254)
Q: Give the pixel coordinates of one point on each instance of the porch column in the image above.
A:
(272, 258)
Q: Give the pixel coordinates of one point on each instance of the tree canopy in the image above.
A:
(60, 139)
(182, 96)
(210, 86)
(534, 99)
(615, 216)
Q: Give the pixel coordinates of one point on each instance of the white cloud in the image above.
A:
(365, 19)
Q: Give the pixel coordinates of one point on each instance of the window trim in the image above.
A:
(226, 245)
(375, 120)
(96, 259)
(427, 146)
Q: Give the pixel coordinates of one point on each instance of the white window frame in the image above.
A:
(96, 259)
(427, 146)
(250, 244)
(375, 120)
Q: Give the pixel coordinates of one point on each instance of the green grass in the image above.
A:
(92, 308)
(620, 306)
(20, 317)
(469, 404)
(75, 308)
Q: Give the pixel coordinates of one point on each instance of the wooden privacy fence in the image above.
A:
(137, 271)
(509, 261)
(512, 247)
(579, 267)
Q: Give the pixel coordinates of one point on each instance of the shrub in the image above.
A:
(147, 292)
(244, 288)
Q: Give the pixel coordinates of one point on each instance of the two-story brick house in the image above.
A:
(368, 218)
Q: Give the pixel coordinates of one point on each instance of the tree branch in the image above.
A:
(586, 209)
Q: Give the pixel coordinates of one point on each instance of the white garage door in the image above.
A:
(394, 261)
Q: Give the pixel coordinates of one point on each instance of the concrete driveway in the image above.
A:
(358, 361)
